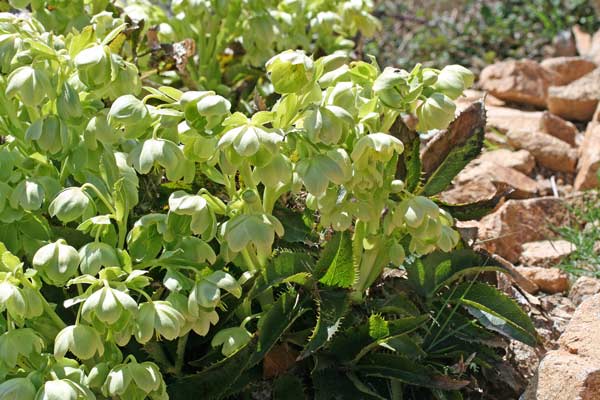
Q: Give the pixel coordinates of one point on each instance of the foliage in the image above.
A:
(475, 33)
(204, 291)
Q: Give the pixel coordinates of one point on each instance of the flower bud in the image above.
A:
(429, 76)
(81, 340)
(17, 389)
(290, 71)
(57, 262)
(391, 86)
(435, 113)
(96, 255)
(397, 186)
(130, 113)
(232, 339)
(94, 66)
(12, 299)
(276, 172)
(453, 80)
(397, 254)
(70, 204)
(63, 389)
(214, 109)
(316, 172)
(161, 152)
(28, 194)
(30, 85)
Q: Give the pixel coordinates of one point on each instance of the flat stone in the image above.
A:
(549, 280)
(523, 81)
(520, 221)
(549, 151)
(520, 160)
(559, 128)
(589, 159)
(545, 253)
(577, 100)
(568, 69)
(584, 288)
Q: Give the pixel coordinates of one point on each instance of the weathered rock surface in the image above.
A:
(545, 253)
(549, 280)
(521, 160)
(520, 221)
(589, 159)
(577, 100)
(572, 372)
(511, 120)
(548, 151)
(568, 69)
(584, 288)
(523, 81)
(583, 40)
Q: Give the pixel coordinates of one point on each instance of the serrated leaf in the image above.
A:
(332, 305)
(335, 266)
(378, 327)
(409, 163)
(496, 311)
(288, 387)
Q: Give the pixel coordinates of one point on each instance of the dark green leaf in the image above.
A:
(335, 266)
(409, 163)
(288, 387)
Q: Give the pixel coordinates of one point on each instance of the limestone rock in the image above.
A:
(577, 100)
(589, 159)
(520, 221)
(584, 288)
(583, 40)
(545, 253)
(549, 280)
(521, 160)
(549, 151)
(559, 128)
(568, 69)
(523, 81)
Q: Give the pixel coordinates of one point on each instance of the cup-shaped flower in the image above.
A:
(206, 293)
(129, 113)
(414, 210)
(50, 133)
(247, 140)
(448, 239)
(68, 104)
(57, 262)
(453, 80)
(63, 389)
(376, 147)
(318, 171)
(81, 340)
(30, 84)
(9, 45)
(203, 219)
(12, 299)
(108, 305)
(135, 380)
(98, 129)
(326, 124)
(435, 113)
(94, 66)
(19, 343)
(28, 194)
(212, 110)
(127, 80)
(391, 86)
(232, 339)
(96, 255)
(164, 153)
(397, 254)
(277, 172)
(17, 389)
(290, 71)
(257, 229)
(160, 317)
(71, 204)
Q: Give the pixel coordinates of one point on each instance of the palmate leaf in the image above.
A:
(335, 266)
(496, 311)
(333, 304)
(452, 150)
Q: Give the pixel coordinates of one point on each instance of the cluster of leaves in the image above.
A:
(89, 285)
(475, 33)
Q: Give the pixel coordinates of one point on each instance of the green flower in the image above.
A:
(435, 113)
(108, 305)
(413, 211)
(203, 219)
(290, 71)
(63, 389)
(164, 153)
(257, 229)
(68, 104)
(28, 194)
(12, 299)
(392, 86)
(247, 139)
(30, 85)
(277, 172)
(453, 80)
(17, 389)
(232, 339)
(327, 124)
(70, 204)
(318, 171)
(50, 133)
(19, 343)
(135, 381)
(131, 114)
(96, 255)
(160, 317)
(81, 340)
(448, 239)
(57, 262)
(206, 293)
(376, 147)
(94, 66)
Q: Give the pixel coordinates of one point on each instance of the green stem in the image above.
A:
(248, 260)
(100, 196)
(180, 352)
(122, 227)
(246, 173)
(47, 308)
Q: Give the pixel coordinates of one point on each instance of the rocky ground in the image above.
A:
(543, 136)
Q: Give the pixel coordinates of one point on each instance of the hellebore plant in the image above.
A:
(80, 142)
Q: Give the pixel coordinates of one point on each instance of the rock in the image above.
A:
(583, 40)
(549, 280)
(589, 159)
(521, 160)
(545, 253)
(549, 151)
(510, 120)
(469, 192)
(568, 69)
(523, 81)
(482, 171)
(520, 221)
(577, 100)
(573, 370)
(470, 96)
(583, 288)
(559, 128)
(563, 44)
